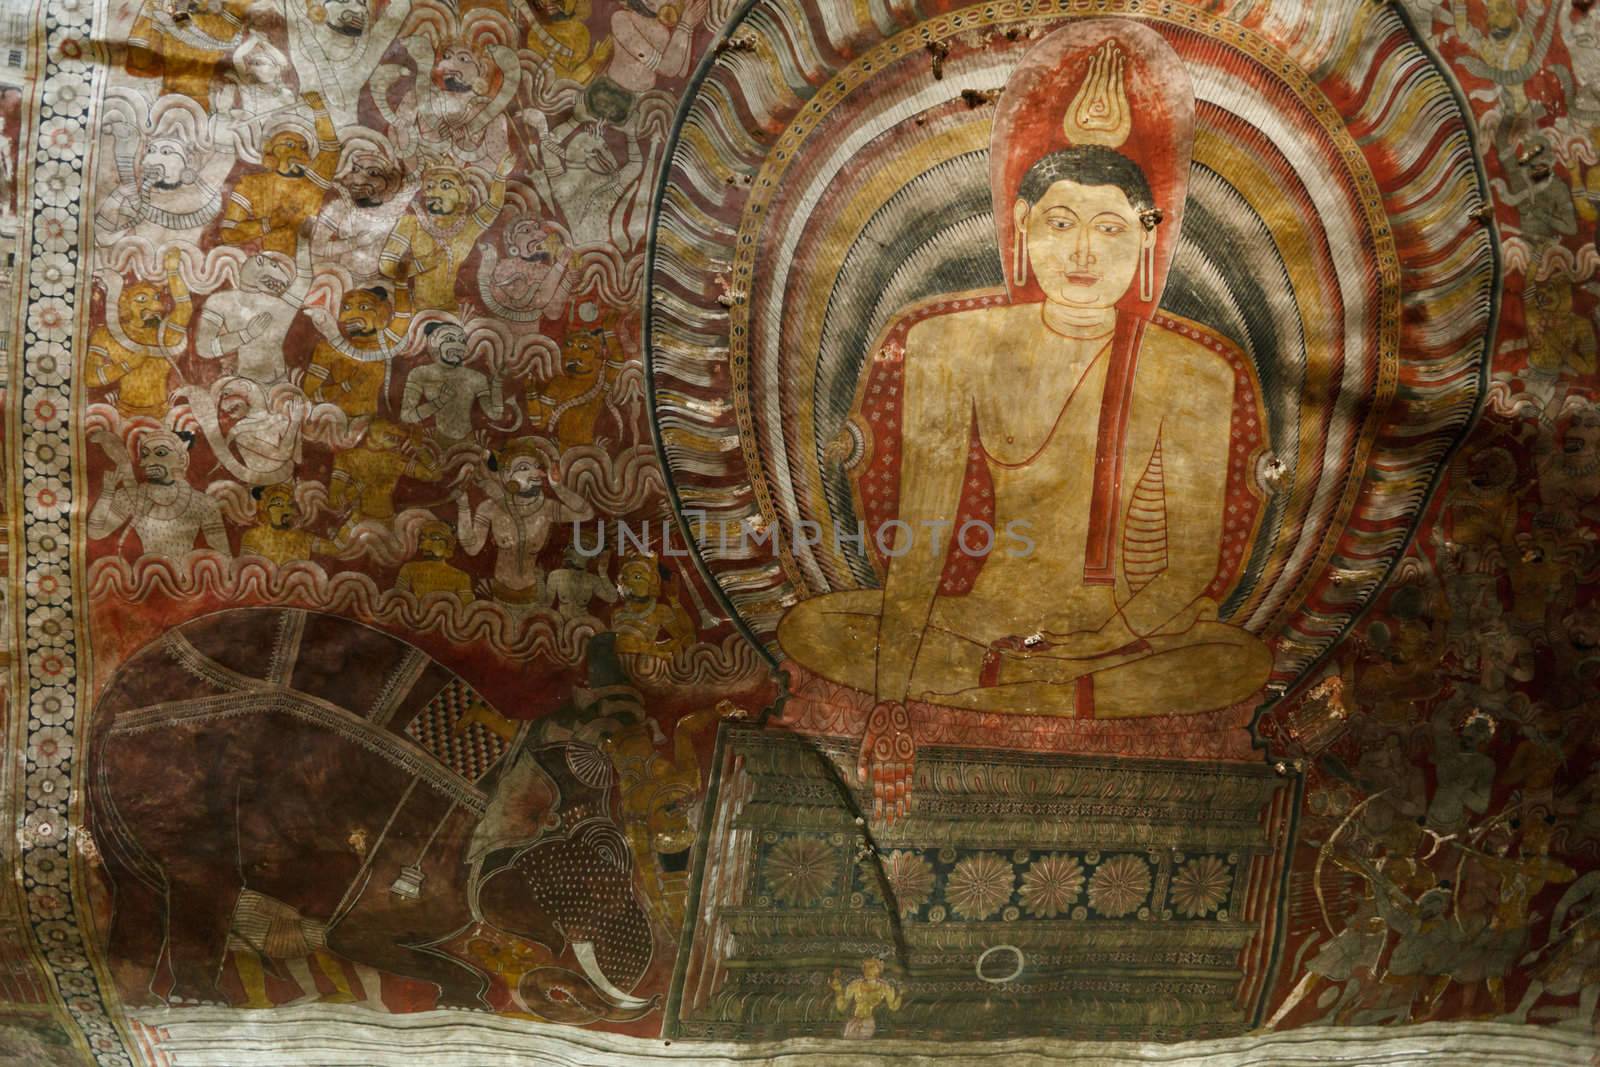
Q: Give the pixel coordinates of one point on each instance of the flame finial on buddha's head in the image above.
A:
(1099, 113)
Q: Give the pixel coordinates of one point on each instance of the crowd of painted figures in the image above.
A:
(1451, 835)
(366, 329)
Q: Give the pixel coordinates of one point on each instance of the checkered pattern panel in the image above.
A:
(444, 727)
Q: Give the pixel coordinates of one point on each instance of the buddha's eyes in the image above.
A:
(1111, 229)
(1062, 222)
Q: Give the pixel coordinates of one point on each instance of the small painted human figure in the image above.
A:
(428, 245)
(647, 622)
(573, 587)
(135, 348)
(163, 509)
(569, 404)
(351, 368)
(268, 207)
(447, 390)
(559, 40)
(365, 477)
(433, 572)
(184, 42)
(859, 1000)
(519, 515)
(277, 534)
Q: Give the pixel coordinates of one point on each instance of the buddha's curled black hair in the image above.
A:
(1089, 164)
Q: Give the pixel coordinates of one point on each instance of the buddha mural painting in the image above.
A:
(1108, 431)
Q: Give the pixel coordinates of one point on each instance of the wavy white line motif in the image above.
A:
(540, 636)
(1352, 511)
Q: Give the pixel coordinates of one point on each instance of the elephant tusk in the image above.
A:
(584, 950)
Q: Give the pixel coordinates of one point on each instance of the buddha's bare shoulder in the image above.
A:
(959, 328)
(1183, 352)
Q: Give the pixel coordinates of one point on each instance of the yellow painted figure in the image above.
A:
(350, 371)
(647, 623)
(134, 351)
(433, 572)
(657, 797)
(184, 44)
(429, 245)
(270, 206)
(364, 477)
(277, 534)
(569, 405)
(558, 36)
(859, 1000)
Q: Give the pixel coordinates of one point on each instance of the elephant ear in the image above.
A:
(589, 765)
(526, 806)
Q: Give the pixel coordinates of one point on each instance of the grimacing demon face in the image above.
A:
(436, 542)
(639, 579)
(364, 313)
(165, 162)
(457, 70)
(163, 458)
(277, 503)
(140, 308)
(289, 152)
(371, 179)
(583, 355)
(444, 191)
(448, 343)
(266, 272)
(523, 475)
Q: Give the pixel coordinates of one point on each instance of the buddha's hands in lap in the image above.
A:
(888, 759)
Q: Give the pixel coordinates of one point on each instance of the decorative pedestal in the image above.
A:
(1027, 894)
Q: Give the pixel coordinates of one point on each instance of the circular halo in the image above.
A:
(1331, 235)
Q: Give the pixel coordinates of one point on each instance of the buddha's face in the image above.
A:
(1084, 243)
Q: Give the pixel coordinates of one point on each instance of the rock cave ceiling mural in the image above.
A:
(587, 531)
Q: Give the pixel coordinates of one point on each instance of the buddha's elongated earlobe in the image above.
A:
(1019, 257)
(1147, 271)
(1150, 218)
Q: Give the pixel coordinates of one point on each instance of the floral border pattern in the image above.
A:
(58, 147)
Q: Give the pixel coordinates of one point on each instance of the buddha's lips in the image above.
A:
(1081, 278)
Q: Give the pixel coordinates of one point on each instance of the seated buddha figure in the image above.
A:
(1119, 438)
